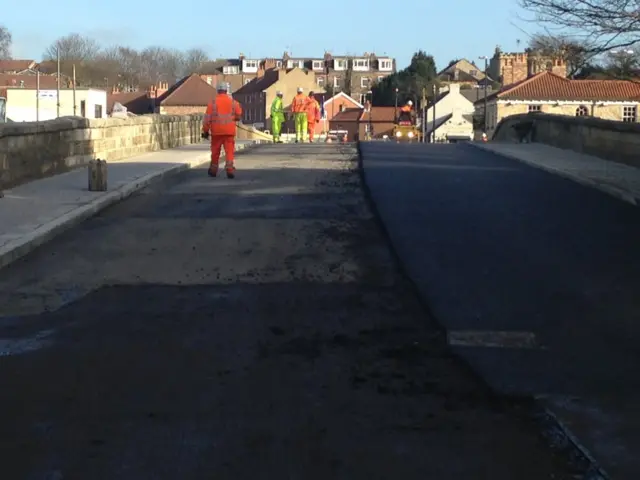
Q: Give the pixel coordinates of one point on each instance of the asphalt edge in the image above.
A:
(400, 265)
(24, 245)
(587, 182)
(556, 433)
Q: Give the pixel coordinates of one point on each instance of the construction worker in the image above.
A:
(299, 110)
(277, 117)
(313, 115)
(408, 107)
(406, 112)
(220, 123)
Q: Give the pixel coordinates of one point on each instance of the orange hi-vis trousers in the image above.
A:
(311, 128)
(229, 143)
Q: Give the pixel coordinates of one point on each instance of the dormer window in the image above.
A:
(361, 64)
(251, 64)
(230, 69)
(318, 64)
(386, 65)
(340, 64)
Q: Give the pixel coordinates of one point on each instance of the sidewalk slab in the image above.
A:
(33, 213)
(616, 179)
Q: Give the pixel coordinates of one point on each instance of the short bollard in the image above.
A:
(98, 175)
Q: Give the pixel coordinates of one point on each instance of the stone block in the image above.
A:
(97, 171)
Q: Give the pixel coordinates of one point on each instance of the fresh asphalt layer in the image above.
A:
(536, 278)
(235, 329)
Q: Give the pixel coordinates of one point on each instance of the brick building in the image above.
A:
(332, 107)
(354, 75)
(509, 68)
(257, 96)
(549, 93)
(359, 121)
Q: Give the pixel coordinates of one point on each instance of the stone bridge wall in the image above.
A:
(33, 150)
(608, 139)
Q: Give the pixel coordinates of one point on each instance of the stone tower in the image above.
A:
(510, 68)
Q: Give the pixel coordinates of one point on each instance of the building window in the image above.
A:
(629, 113)
(320, 81)
(535, 108)
(363, 98)
(364, 82)
(278, 63)
(318, 65)
(380, 78)
(336, 82)
(473, 73)
(340, 64)
(98, 111)
(341, 107)
(582, 111)
(361, 63)
(251, 64)
(385, 65)
(83, 108)
(230, 69)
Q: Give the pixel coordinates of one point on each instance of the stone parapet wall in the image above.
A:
(32, 150)
(608, 139)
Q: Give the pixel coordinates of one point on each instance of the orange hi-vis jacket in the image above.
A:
(299, 103)
(313, 110)
(405, 108)
(222, 114)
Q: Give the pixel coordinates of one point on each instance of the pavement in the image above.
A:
(250, 328)
(534, 276)
(33, 213)
(617, 179)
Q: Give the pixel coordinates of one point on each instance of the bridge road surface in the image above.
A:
(498, 246)
(254, 328)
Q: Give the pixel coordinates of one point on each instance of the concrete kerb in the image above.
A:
(556, 432)
(608, 189)
(20, 247)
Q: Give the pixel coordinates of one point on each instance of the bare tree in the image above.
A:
(121, 66)
(73, 47)
(574, 53)
(193, 59)
(607, 24)
(5, 43)
(161, 64)
(623, 64)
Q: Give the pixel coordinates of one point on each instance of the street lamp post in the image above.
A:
(370, 93)
(486, 67)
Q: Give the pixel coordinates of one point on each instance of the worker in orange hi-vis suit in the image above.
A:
(313, 114)
(220, 122)
(299, 110)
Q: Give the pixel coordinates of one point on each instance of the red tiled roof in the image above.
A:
(30, 81)
(380, 114)
(347, 115)
(548, 86)
(15, 65)
(136, 102)
(190, 91)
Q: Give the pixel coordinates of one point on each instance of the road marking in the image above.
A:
(495, 339)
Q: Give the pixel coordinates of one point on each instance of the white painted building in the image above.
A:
(30, 105)
(454, 116)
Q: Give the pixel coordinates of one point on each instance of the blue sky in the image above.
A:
(455, 28)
